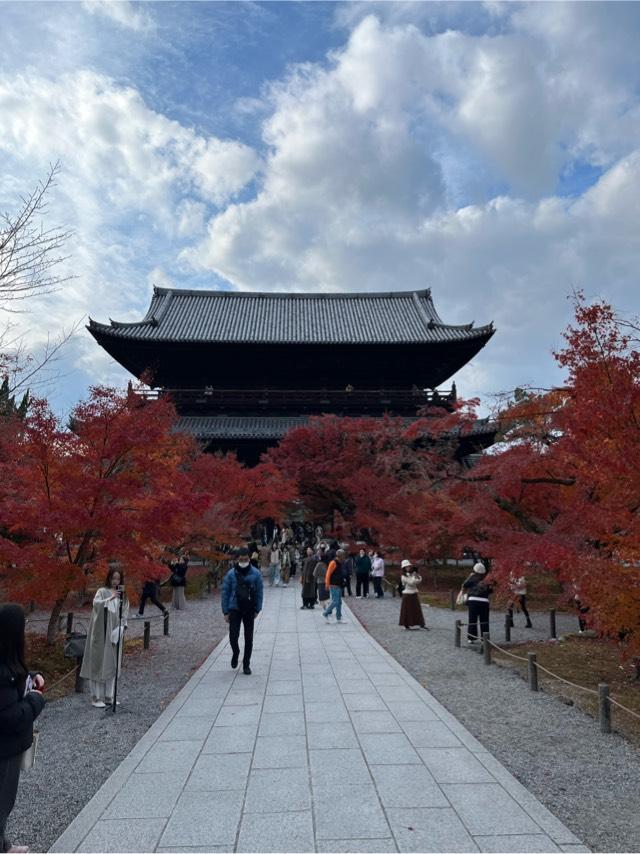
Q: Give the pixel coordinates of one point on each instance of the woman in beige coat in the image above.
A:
(99, 662)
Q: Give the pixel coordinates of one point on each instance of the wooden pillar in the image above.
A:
(604, 707)
(532, 670)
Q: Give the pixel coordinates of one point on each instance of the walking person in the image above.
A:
(363, 571)
(150, 591)
(347, 573)
(265, 559)
(242, 593)
(411, 608)
(104, 638)
(478, 592)
(285, 566)
(178, 582)
(333, 580)
(274, 564)
(307, 580)
(377, 573)
(319, 575)
(21, 702)
(519, 597)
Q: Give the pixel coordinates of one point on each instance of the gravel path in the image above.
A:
(589, 780)
(80, 746)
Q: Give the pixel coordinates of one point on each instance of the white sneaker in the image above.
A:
(326, 616)
(358, 597)
(98, 704)
(138, 617)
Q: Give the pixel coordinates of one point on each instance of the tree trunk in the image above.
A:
(52, 628)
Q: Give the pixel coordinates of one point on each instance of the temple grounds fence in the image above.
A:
(485, 645)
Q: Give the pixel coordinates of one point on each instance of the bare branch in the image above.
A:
(29, 253)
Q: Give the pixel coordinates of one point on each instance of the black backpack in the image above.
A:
(245, 595)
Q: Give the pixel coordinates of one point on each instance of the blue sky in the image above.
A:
(488, 150)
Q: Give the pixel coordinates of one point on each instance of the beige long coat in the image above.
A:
(99, 662)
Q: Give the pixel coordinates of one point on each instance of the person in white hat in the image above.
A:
(478, 591)
(411, 609)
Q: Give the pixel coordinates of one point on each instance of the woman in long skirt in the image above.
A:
(411, 609)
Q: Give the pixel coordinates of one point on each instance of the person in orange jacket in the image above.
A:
(333, 580)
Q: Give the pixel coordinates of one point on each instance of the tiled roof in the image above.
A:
(270, 426)
(354, 318)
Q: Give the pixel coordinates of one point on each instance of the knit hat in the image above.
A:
(479, 568)
(405, 564)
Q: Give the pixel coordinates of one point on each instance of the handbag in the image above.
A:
(74, 644)
(28, 758)
(461, 598)
(117, 634)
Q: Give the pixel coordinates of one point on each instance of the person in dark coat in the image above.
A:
(363, 571)
(242, 593)
(178, 582)
(308, 581)
(347, 572)
(21, 702)
(478, 591)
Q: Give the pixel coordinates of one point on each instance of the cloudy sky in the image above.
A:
(490, 151)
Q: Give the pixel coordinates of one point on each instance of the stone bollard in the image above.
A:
(486, 646)
(552, 623)
(507, 629)
(604, 707)
(458, 632)
(147, 634)
(166, 624)
(532, 666)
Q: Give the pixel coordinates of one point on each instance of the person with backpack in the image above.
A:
(478, 591)
(242, 593)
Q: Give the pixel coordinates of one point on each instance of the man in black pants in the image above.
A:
(242, 592)
(149, 591)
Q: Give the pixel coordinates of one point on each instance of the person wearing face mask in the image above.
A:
(242, 593)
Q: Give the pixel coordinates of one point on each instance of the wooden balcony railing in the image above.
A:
(302, 400)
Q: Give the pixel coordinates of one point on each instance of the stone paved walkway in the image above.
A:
(329, 746)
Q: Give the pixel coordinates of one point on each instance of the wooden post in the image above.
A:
(69, 622)
(486, 646)
(533, 670)
(208, 585)
(604, 707)
(453, 596)
(166, 623)
(507, 629)
(147, 634)
(79, 686)
(552, 623)
(458, 632)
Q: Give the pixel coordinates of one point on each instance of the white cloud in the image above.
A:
(122, 12)
(355, 193)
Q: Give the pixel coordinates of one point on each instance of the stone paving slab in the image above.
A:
(329, 746)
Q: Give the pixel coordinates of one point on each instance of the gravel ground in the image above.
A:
(80, 746)
(589, 780)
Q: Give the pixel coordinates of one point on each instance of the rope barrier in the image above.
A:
(506, 652)
(624, 708)
(566, 681)
(555, 675)
(66, 676)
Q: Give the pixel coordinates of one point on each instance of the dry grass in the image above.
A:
(584, 661)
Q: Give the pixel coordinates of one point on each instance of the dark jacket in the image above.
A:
(347, 567)
(17, 714)
(253, 578)
(178, 574)
(478, 586)
(363, 565)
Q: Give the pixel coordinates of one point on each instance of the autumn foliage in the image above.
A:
(116, 483)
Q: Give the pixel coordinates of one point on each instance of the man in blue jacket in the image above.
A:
(242, 593)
